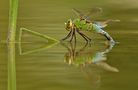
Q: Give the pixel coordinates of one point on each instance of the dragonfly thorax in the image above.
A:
(83, 24)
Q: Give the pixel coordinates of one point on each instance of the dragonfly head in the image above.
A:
(68, 24)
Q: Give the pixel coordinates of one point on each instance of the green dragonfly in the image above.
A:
(83, 23)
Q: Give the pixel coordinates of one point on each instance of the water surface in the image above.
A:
(42, 68)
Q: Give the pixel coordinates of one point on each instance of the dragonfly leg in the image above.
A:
(87, 37)
(83, 36)
(72, 36)
(75, 35)
(67, 35)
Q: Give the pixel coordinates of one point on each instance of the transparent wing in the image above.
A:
(78, 13)
(91, 12)
(103, 24)
(95, 10)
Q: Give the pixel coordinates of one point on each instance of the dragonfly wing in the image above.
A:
(91, 12)
(101, 24)
(107, 67)
(94, 11)
(78, 13)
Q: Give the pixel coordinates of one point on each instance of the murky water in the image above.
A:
(41, 68)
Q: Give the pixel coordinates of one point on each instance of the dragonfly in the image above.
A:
(83, 23)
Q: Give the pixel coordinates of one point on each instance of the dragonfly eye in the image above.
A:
(68, 25)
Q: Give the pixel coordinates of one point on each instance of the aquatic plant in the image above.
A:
(49, 42)
(11, 45)
(12, 20)
(11, 39)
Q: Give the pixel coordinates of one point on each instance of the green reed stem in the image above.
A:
(11, 67)
(11, 44)
(12, 20)
(49, 39)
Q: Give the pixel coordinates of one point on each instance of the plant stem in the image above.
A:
(11, 44)
(11, 67)
(49, 39)
(12, 20)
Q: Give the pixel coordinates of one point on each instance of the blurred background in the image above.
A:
(46, 69)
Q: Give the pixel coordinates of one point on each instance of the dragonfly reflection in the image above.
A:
(85, 56)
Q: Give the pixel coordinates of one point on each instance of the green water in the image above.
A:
(42, 68)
